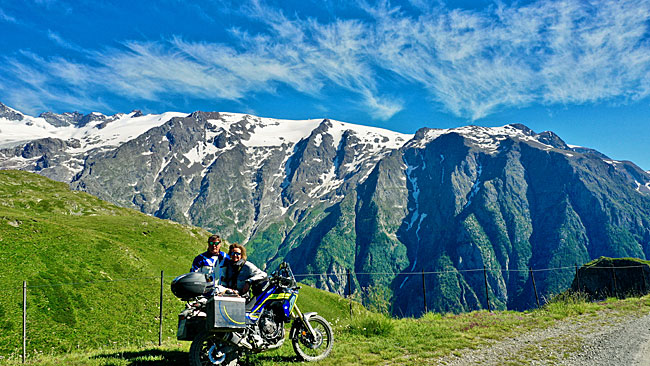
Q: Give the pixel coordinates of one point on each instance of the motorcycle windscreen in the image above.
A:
(226, 313)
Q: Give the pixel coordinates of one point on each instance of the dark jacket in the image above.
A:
(238, 273)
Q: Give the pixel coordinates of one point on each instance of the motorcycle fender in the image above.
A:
(296, 324)
(181, 333)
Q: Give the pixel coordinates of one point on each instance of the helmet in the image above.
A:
(191, 285)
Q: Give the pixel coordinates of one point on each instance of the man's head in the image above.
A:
(214, 244)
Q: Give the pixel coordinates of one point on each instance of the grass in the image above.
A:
(69, 247)
(407, 341)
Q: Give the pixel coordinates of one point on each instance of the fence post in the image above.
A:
(645, 286)
(487, 294)
(350, 293)
(424, 292)
(532, 276)
(24, 320)
(578, 277)
(615, 288)
(162, 279)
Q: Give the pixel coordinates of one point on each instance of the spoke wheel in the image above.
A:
(210, 349)
(317, 347)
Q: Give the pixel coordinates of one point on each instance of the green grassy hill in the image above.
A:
(93, 270)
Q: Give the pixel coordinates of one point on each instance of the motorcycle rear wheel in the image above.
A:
(316, 348)
(210, 349)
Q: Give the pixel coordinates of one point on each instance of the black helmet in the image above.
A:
(191, 285)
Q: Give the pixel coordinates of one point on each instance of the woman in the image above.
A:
(240, 274)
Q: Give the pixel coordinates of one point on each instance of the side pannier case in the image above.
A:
(226, 313)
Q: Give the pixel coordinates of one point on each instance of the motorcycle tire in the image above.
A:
(210, 349)
(314, 348)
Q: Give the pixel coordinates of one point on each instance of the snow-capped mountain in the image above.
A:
(331, 196)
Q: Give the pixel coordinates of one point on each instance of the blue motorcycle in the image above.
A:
(224, 326)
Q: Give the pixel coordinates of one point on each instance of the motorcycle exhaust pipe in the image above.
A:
(238, 340)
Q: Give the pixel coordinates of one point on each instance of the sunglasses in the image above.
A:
(214, 243)
(235, 253)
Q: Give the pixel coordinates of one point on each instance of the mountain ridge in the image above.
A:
(330, 196)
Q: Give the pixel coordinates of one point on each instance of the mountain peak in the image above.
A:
(10, 113)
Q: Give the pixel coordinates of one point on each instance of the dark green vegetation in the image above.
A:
(620, 277)
(92, 268)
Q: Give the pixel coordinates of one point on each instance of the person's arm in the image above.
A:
(196, 263)
(256, 274)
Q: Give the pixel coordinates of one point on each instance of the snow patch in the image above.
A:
(318, 140)
(123, 129)
(486, 138)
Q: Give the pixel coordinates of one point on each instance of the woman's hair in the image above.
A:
(240, 247)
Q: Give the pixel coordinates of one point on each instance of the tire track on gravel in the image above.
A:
(603, 338)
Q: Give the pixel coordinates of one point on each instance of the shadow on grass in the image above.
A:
(150, 357)
(253, 360)
(156, 357)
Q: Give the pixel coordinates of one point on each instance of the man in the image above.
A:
(213, 257)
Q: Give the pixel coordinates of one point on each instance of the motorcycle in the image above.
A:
(223, 326)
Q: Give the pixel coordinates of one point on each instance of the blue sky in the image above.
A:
(578, 68)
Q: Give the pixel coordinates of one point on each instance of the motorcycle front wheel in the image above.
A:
(209, 349)
(317, 347)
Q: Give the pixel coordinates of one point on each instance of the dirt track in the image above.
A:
(596, 339)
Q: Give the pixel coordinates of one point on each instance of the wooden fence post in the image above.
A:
(350, 293)
(424, 292)
(532, 277)
(487, 294)
(160, 328)
(645, 285)
(615, 288)
(24, 321)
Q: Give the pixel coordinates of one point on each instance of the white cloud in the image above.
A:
(61, 42)
(471, 62)
(548, 52)
(6, 17)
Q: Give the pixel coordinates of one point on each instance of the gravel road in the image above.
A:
(596, 339)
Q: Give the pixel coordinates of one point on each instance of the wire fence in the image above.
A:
(54, 318)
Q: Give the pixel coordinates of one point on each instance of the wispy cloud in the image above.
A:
(62, 42)
(548, 52)
(471, 63)
(6, 17)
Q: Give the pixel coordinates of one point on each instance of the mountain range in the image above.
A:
(331, 197)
